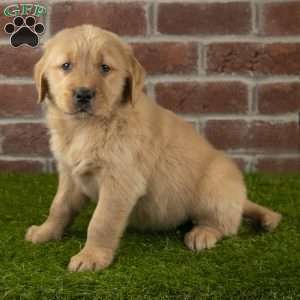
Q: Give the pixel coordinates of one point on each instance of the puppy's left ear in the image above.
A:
(40, 80)
(135, 81)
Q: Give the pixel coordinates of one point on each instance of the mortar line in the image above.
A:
(48, 20)
(13, 81)
(272, 119)
(20, 158)
(259, 16)
(184, 78)
(148, 14)
(254, 105)
(155, 16)
(21, 120)
(262, 154)
(254, 20)
(200, 67)
(221, 77)
(250, 98)
(212, 38)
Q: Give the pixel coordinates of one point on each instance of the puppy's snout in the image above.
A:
(83, 96)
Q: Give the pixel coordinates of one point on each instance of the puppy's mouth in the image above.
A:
(81, 111)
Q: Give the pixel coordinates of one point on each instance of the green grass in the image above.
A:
(250, 266)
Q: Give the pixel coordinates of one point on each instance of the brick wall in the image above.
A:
(229, 67)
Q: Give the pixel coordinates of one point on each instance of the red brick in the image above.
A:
(254, 59)
(18, 100)
(18, 61)
(278, 165)
(21, 166)
(121, 18)
(204, 18)
(24, 139)
(197, 97)
(254, 136)
(169, 58)
(278, 97)
(281, 18)
(226, 134)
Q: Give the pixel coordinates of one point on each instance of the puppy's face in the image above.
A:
(88, 71)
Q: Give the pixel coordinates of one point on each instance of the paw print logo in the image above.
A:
(24, 31)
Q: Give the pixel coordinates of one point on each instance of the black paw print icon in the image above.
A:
(24, 31)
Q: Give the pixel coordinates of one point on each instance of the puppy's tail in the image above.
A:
(265, 217)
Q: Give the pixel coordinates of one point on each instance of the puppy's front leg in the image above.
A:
(106, 227)
(67, 202)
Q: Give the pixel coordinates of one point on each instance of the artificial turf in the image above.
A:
(252, 265)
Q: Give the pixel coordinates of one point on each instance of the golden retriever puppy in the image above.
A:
(143, 165)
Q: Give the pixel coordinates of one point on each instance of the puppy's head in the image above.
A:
(87, 70)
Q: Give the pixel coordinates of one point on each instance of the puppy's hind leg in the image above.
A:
(265, 217)
(217, 213)
(202, 237)
(212, 224)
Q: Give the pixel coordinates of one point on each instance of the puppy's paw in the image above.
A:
(41, 234)
(200, 238)
(90, 259)
(271, 220)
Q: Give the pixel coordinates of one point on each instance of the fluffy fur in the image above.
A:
(142, 164)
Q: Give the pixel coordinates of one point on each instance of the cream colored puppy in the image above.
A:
(143, 165)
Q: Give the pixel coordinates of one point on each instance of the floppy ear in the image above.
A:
(40, 80)
(134, 83)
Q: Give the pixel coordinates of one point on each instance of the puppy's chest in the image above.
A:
(90, 158)
(81, 154)
(87, 178)
(74, 149)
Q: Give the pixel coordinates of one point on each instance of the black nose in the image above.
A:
(83, 96)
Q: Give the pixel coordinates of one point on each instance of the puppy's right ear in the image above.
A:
(40, 80)
(134, 83)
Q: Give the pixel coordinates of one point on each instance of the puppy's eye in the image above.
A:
(66, 66)
(104, 69)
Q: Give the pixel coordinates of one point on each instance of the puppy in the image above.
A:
(143, 165)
